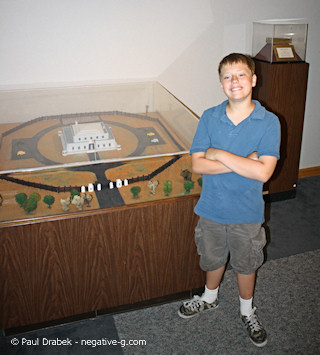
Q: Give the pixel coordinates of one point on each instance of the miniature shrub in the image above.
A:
(35, 197)
(135, 191)
(29, 205)
(48, 200)
(167, 187)
(188, 185)
(21, 198)
(74, 192)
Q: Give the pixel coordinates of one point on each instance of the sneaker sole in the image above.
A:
(196, 314)
(259, 345)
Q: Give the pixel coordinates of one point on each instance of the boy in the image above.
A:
(235, 148)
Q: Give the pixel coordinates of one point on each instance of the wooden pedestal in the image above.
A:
(51, 269)
(282, 88)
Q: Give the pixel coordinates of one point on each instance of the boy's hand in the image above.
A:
(210, 153)
(253, 156)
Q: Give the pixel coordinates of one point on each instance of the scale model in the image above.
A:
(87, 138)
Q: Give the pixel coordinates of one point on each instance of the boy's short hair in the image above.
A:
(237, 58)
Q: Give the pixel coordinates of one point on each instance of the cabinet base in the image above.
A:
(280, 196)
(103, 312)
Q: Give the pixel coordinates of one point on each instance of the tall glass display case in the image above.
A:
(279, 52)
(277, 41)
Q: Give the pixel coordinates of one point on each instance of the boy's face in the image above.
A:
(237, 81)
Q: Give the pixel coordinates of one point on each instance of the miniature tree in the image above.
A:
(74, 192)
(35, 197)
(30, 205)
(167, 187)
(88, 198)
(200, 181)
(21, 198)
(186, 174)
(135, 191)
(188, 185)
(49, 200)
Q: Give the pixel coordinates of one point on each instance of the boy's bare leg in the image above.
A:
(246, 285)
(213, 278)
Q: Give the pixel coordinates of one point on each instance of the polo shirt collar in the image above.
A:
(258, 112)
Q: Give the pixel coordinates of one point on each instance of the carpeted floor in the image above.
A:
(293, 226)
(287, 299)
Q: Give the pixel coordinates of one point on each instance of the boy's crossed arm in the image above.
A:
(217, 161)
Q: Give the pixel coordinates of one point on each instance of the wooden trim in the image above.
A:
(309, 172)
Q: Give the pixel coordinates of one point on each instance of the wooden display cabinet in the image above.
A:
(281, 88)
(60, 267)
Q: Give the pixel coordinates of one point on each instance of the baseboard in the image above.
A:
(53, 323)
(108, 311)
(309, 172)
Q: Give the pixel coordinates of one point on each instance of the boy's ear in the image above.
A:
(254, 80)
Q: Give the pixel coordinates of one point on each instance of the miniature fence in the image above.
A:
(60, 189)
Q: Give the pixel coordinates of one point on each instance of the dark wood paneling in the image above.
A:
(282, 88)
(56, 269)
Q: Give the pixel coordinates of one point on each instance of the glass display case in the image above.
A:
(277, 41)
(64, 150)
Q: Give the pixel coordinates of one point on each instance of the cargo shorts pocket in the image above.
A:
(257, 245)
(198, 235)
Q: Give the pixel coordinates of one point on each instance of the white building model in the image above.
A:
(87, 138)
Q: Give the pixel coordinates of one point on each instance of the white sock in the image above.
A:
(246, 306)
(210, 296)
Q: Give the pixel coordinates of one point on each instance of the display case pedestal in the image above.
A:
(281, 88)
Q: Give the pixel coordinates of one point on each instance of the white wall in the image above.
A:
(178, 42)
(193, 76)
(46, 42)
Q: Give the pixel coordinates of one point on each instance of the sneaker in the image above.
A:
(195, 306)
(257, 334)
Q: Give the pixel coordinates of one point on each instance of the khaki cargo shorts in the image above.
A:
(243, 242)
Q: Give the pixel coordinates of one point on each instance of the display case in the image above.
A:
(97, 202)
(279, 52)
(276, 41)
(64, 150)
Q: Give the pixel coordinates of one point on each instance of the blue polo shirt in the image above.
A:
(231, 198)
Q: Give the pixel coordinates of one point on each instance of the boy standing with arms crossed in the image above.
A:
(235, 148)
